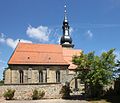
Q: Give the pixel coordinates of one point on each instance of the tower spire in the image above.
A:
(66, 40)
(65, 13)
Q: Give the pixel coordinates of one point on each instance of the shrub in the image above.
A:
(1, 82)
(38, 94)
(65, 92)
(9, 94)
(41, 94)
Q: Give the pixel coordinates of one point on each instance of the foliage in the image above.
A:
(117, 81)
(95, 71)
(38, 94)
(65, 91)
(9, 94)
(117, 70)
(1, 82)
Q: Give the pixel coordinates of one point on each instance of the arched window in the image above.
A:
(21, 76)
(40, 77)
(57, 76)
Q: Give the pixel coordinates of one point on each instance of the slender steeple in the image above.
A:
(65, 14)
(66, 40)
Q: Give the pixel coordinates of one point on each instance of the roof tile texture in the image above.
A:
(43, 54)
(68, 55)
(27, 53)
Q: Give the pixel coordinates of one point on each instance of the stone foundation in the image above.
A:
(25, 91)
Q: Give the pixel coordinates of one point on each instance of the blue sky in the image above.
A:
(95, 24)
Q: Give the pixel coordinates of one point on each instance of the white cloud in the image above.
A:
(89, 34)
(12, 43)
(2, 38)
(40, 33)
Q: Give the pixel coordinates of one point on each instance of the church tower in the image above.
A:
(66, 40)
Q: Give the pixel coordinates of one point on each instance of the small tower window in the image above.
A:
(40, 77)
(57, 76)
(21, 76)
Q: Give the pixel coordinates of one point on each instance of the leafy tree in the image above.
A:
(117, 79)
(95, 71)
(117, 70)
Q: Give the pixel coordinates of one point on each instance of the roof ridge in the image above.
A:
(38, 44)
(38, 51)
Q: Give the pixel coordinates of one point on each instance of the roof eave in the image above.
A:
(42, 64)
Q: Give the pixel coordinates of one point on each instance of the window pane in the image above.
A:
(57, 76)
(40, 76)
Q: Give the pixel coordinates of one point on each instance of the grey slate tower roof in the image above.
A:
(66, 40)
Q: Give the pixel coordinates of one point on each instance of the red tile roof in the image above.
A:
(68, 55)
(38, 54)
(43, 54)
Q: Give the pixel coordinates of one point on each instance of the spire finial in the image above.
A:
(65, 12)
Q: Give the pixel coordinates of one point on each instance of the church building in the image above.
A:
(43, 63)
